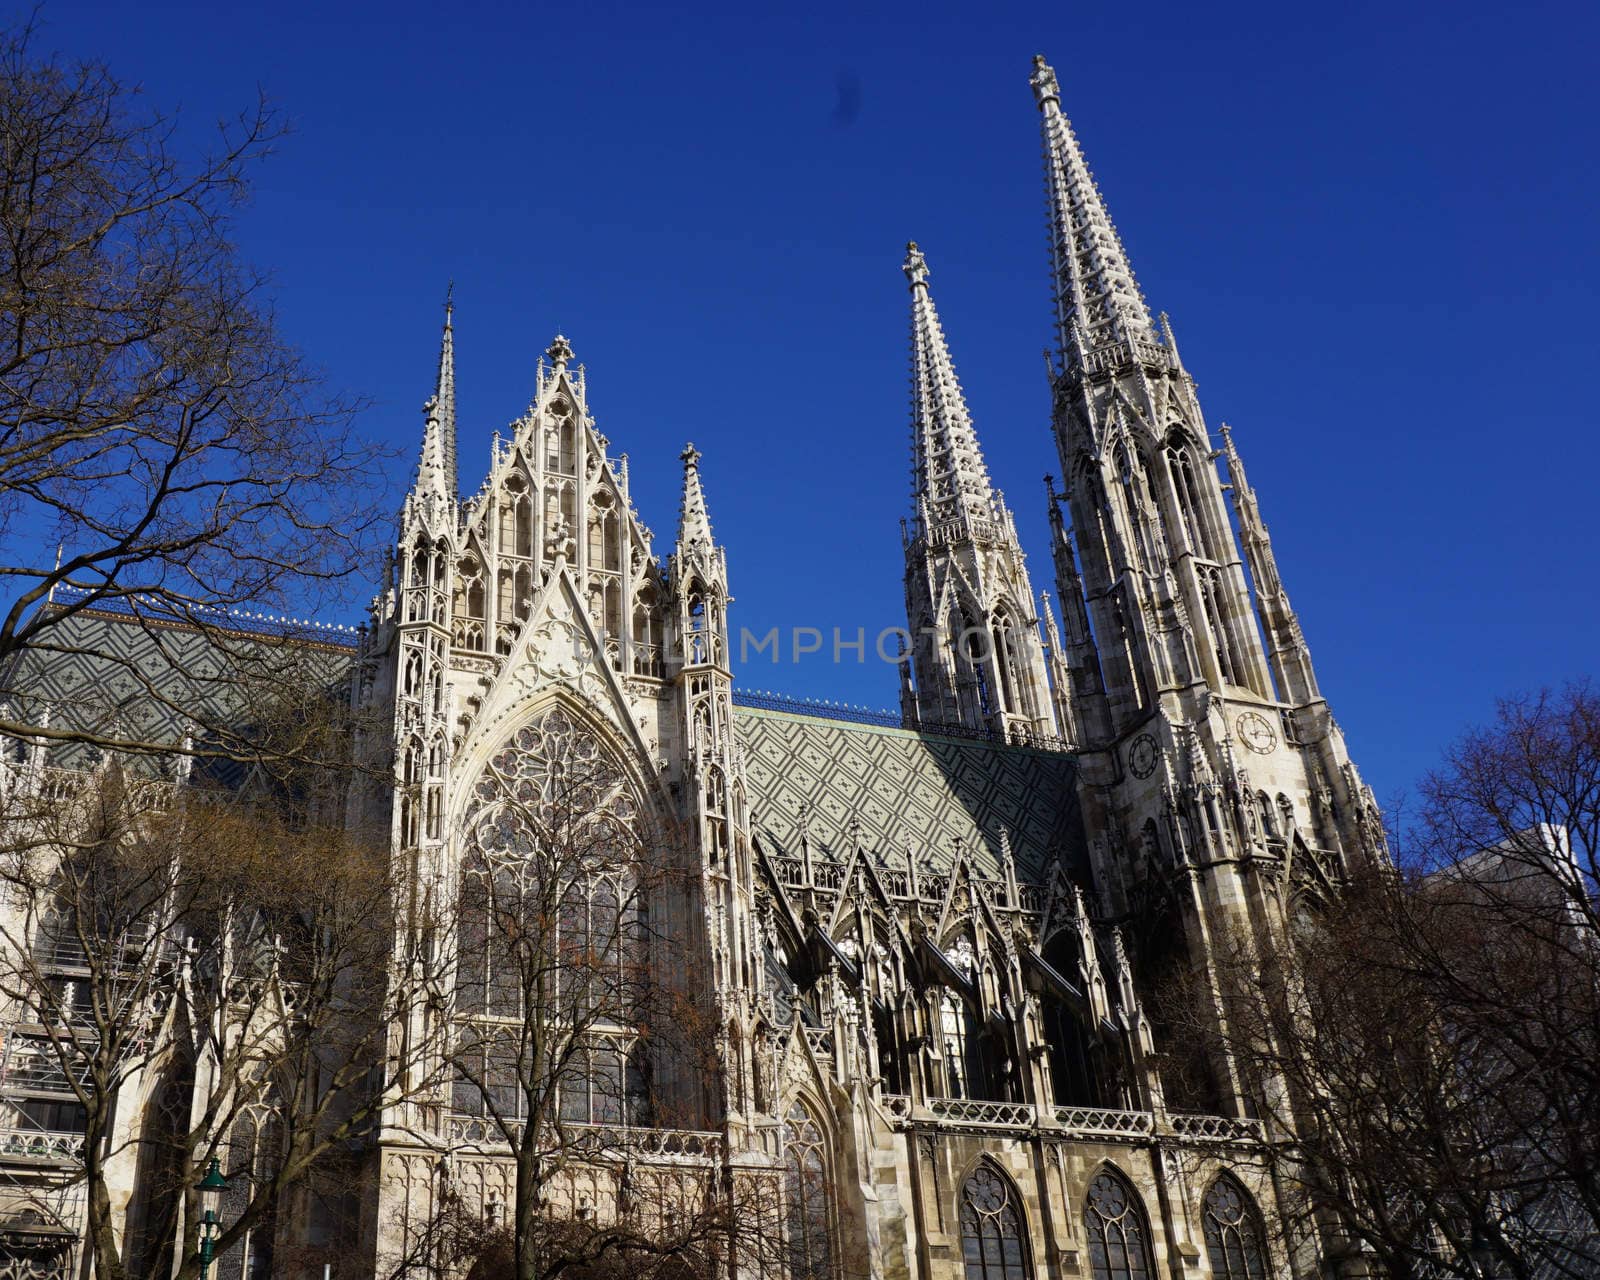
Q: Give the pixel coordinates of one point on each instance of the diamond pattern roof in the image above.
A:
(907, 790)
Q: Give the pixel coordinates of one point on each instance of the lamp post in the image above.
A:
(210, 1188)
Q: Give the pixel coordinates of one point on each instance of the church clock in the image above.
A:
(1256, 730)
(1143, 755)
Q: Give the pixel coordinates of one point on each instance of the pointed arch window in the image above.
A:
(807, 1209)
(1113, 1221)
(646, 633)
(1235, 1242)
(1181, 464)
(696, 647)
(613, 544)
(1269, 819)
(516, 519)
(251, 1157)
(1010, 665)
(991, 1228)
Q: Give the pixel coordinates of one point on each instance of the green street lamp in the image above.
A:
(210, 1188)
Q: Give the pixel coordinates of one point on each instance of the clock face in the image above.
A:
(1256, 731)
(1143, 756)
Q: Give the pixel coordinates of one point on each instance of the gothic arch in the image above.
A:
(1182, 454)
(963, 1041)
(1236, 1241)
(994, 1226)
(557, 816)
(810, 1214)
(1116, 1228)
(644, 782)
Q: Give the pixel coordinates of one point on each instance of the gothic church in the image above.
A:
(930, 942)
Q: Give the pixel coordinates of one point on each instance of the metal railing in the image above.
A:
(1089, 1123)
(764, 700)
(761, 700)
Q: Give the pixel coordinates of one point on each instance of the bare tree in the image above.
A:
(1508, 848)
(154, 424)
(228, 956)
(1425, 1042)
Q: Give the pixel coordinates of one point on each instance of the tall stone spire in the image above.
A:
(1095, 292)
(976, 654)
(435, 492)
(949, 482)
(1200, 734)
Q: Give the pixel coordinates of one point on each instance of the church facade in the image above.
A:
(930, 943)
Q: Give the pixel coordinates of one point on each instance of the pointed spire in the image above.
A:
(436, 472)
(949, 481)
(1094, 284)
(1287, 650)
(694, 524)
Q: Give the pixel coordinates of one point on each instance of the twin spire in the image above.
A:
(1097, 300)
(949, 482)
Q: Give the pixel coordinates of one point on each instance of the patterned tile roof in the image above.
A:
(109, 671)
(907, 789)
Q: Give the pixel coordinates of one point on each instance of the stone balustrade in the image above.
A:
(41, 1145)
(1087, 1123)
(692, 1145)
(1204, 1128)
(1104, 1122)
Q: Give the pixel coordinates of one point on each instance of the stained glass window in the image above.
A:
(1119, 1246)
(991, 1228)
(806, 1197)
(1234, 1239)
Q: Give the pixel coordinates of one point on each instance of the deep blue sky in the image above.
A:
(1374, 226)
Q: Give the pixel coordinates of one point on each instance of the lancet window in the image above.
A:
(1235, 1242)
(552, 929)
(1096, 555)
(516, 518)
(807, 1207)
(1211, 595)
(251, 1158)
(468, 605)
(646, 632)
(1114, 1224)
(992, 1244)
(1190, 508)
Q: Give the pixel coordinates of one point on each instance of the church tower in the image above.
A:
(714, 794)
(976, 657)
(422, 620)
(1211, 766)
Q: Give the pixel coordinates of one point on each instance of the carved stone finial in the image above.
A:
(915, 266)
(559, 352)
(1045, 86)
(690, 457)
